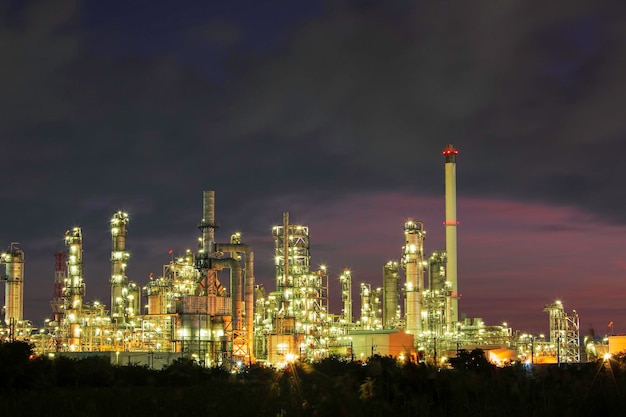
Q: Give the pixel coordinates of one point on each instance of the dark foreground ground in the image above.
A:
(379, 387)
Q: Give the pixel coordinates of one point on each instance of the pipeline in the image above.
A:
(249, 285)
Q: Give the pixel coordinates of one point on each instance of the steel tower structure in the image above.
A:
(302, 295)
(564, 332)
(210, 284)
(60, 275)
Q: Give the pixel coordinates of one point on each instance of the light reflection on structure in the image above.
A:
(186, 310)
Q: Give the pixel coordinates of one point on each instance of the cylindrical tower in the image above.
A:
(450, 153)
(119, 261)
(366, 306)
(14, 287)
(74, 289)
(133, 297)
(413, 263)
(157, 294)
(437, 271)
(391, 293)
(346, 295)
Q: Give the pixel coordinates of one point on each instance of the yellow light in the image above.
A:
(607, 356)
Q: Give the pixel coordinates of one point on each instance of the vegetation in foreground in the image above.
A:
(38, 386)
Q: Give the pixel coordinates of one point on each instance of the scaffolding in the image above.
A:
(301, 297)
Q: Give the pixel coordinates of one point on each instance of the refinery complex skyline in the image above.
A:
(334, 293)
(40, 311)
(193, 309)
(417, 273)
(336, 113)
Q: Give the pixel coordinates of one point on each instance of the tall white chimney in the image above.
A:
(450, 153)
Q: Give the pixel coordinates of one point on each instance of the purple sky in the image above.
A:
(336, 111)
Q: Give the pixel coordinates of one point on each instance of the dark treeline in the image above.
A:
(38, 386)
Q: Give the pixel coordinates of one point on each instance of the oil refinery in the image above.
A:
(193, 309)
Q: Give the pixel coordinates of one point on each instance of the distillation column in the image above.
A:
(450, 153)
(14, 287)
(346, 296)
(366, 306)
(74, 289)
(119, 261)
(413, 263)
(391, 294)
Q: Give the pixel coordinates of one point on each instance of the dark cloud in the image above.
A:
(124, 106)
(520, 88)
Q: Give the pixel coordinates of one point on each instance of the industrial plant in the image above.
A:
(206, 306)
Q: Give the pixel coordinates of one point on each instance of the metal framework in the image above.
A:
(564, 333)
(301, 296)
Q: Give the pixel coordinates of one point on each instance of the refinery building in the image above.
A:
(206, 306)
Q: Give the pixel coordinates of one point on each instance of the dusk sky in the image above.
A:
(336, 111)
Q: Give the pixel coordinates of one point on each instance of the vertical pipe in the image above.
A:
(242, 292)
(450, 153)
(286, 303)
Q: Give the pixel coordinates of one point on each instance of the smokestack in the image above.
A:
(450, 153)
(208, 221)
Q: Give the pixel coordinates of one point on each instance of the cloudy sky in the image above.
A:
(335, 111)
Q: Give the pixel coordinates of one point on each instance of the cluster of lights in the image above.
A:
(450, 151)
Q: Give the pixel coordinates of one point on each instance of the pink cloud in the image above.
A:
(514, 257)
